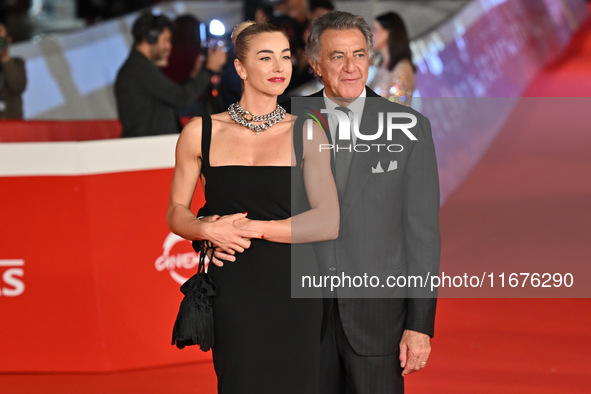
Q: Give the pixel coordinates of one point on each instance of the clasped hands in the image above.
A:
(229, 234)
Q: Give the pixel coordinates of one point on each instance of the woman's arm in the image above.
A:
(321, 221)
(181, 221)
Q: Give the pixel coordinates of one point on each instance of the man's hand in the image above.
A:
(415, 348)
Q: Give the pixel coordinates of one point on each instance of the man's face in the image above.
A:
(160, 51)
(343, 62)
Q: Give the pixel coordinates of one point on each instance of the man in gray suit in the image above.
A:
(389, 197)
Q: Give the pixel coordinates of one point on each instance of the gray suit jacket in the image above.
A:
(389, 227)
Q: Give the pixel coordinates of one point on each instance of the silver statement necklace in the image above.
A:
(245, 118)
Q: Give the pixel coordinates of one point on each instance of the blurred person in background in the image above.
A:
(263, 12)
(146, 98)
(306, 82)
(319, 8)
(15, 18)
(292, 17)
(186, 48)
(13, 79)
(395, 76)
(186, 59)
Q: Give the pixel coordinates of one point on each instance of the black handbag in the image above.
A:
(194, 322)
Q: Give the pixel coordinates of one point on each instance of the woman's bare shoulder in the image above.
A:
(194, 125)
(190, 139)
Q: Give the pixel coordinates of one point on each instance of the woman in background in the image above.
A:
(395, 77)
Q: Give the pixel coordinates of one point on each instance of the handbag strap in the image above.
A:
(206, 248)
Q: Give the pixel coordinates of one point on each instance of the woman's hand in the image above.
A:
(227, 237)
(248, 225)
(218, 255)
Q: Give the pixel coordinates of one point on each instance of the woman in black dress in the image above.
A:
(250, 166)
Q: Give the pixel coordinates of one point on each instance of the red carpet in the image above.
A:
(570, 75)
(528, 200)
(181, 379)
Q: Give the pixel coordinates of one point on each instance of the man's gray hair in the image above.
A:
(338, 20)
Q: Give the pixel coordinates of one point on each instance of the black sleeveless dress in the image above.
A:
(265, 341)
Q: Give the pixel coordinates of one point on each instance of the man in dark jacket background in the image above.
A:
(146, 98)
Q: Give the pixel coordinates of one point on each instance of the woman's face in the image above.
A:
(380, 36)
(267, 65)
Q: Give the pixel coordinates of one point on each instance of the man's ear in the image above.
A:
(314, 65)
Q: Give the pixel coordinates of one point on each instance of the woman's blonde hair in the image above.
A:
(243, 33)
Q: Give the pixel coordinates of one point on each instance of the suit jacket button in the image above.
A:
(332, 268)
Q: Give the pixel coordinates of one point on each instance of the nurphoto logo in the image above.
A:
(388, 122)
